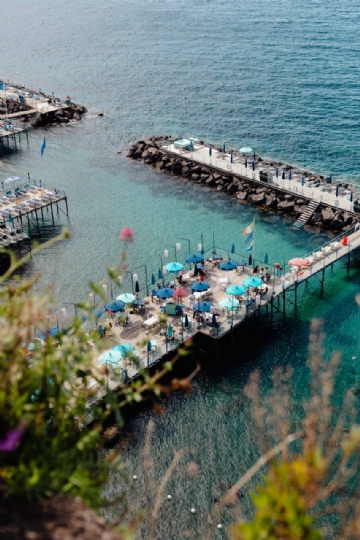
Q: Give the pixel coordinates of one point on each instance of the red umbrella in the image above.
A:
(298, 262)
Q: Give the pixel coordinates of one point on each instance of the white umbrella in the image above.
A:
(12, 179)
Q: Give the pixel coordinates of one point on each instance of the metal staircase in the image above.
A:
(306, 214)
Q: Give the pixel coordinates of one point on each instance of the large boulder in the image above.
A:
(232, 188)
(210, 181)
(286, 206)
(259, 198)
(327, 215)
(176, 168)
(242, 195)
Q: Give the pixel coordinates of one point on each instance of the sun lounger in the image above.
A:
(317, 255)
(326, 250)
(334, 246)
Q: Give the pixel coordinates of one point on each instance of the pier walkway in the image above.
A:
(276, 293)
(222, 163)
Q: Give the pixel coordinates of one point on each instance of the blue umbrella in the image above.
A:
(233, 248)
(186, 321)
(124, 348)
(302, 180)
(210, 151)
(337, 191)
(290, 175)
(266, 258)
(231, 158)
(253, 165)
(96, 312)
(283, 175)
(245, 162)
(193, 258)
(351, 196)
(114, 306)
(137, 287)
(165, 292)
(153, 280)
(149, 347)
(110, 357)
(250, 259)
(330, 179)
(236, 290)
(203, 306)
(36, 344)
(254, 156)
(228, 303)
(174, 267)
(277, 172)
(227, 265)
(217, 256)
(126, 298)
(160, 274)
(252, 282)
(200, 286)
(191, 145)
(224, 150)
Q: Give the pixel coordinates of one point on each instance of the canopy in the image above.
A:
(35, 344)
(182, 143)
(114, 306)
(165, 292)
(123, 348)
(200, 286)
(227, 265)
(127, 298)
(298, 261)
(246, 150)
(252, 282)
(110, 357)
(203, 306)
(217, 256)
(12, 179)
(236, 290)
(174, 267)
(228, 303)
(193, 258)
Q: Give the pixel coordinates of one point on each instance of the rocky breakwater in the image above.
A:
(265, 197)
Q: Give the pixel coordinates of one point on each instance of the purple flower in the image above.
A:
(12, 439)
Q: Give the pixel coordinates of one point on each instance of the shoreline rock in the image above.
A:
(266, 197)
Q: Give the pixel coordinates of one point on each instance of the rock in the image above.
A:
(210, 181)
(232, 188)
(316, 217)
(327, 215)
(337, 224)
(260, 190)
(258, 199)
(204, 176)
(242, 195)
(186, 171)
(195, 177)
(288, 197)
(299, 201)
(160, 165)
(348, 218)
(271, 201)
(286, 206)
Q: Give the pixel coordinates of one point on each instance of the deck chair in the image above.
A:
(170, 309)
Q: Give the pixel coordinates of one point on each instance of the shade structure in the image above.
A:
(160, 274)
(337, 191)
(253, 164)
(250, 259)
(303, 180)
(330, 179)
(149, 346)
(224, 147)
(239, 263)
(246, 162)
(165, 292)
(210, 151)
(127, 298)
(252, 282)
(283, 175)
(12, 179)
(193, 258)
(233, 248)
(137, 287)
(94, 312)
(227, 265)
(203, 306)
(228, 303)
(231, 158)
(277, 172)
(298, 261)
(153, 280)
(114, 306)
(111, 357)
(351, 196)
(236, 290)
(217, 256)
(290, 175)
(266, 258)
(246, 150)
(35, 344)
(186, 321)
(53, 331)
(124, 348)
(254, 156)
(200, 286)
(174, 267)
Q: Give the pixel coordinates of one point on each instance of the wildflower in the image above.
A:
(12, 439)
(126, 234)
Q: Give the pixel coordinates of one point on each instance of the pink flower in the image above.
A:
(12, 439)
(126, 234)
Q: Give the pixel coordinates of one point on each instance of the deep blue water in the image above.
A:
(281, 77)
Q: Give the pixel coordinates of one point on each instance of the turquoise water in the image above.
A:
(279, 77)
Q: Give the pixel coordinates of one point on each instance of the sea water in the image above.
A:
(281, 77)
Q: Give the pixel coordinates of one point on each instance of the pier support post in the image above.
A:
(67, 210)
(295, 296)
(322, 282)
(348, 264)
(52, 214)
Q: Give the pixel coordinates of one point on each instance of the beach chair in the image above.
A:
(170, 309)
(326, 250)
(334, 246)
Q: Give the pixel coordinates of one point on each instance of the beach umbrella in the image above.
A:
(337, 191)
(298, 261)
(213, 322)
(149, 346)
(96, 312)
(191, 146)
(153, 280)
(224, 148)
(217, 256)
(283, 175)
(200, 286)
(330, 179)
(252, 282)
(351, 196)
(233, 248)
(203, 306)
(228, 303)
(277, 172)
(124, 348)
(174, 267)
(266, 258)
(114, 306)
(12, 179)
(35, 344)
(137, 288)
(236, 290)
(245, 163)
(165, 292)
(227, 265)
(193, 258)
(186, 321)
(160, 274)
(253, 165)
(254, 155)
(210, 151)
(290, 175)
(231, 158)
(110, 357)
(302, 180)
(127, 298)
(246, 150)
(250, 259)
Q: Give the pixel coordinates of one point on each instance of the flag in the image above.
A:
(250, 247)
(248, 238)
(43, 146)
(249, 229)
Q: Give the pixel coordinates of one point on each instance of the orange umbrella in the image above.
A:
(298, 262)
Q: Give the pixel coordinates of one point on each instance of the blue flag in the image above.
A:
(248, 238)
(250, 247)
(43, 146)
